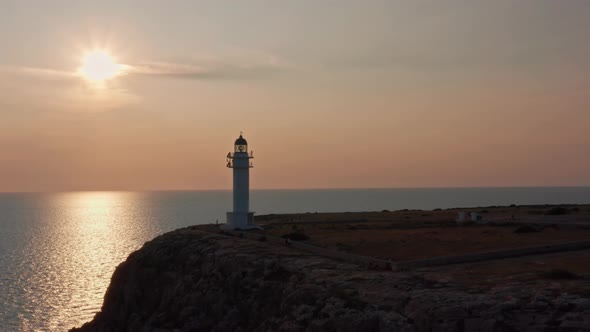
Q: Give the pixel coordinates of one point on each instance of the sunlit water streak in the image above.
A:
(58, 251)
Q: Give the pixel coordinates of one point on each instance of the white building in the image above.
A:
(461, 217)
(467, 217)
(239, 161)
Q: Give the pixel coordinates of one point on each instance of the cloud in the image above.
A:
(46, 88)
(197, 69)
(37, 86)
(46, 73)
(203, 69)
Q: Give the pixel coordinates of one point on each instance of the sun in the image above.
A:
(99, 66)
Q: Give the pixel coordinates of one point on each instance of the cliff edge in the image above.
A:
(189, 280)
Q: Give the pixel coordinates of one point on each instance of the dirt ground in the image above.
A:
(409, 235)
(415, 234)
(551, 213)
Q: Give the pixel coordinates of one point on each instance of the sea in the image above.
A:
(59, 250)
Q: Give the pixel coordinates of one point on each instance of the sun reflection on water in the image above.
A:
(88, 236)
(58, 251)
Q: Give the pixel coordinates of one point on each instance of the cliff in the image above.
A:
(188, 280)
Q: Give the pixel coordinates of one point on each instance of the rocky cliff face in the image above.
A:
(189, 280)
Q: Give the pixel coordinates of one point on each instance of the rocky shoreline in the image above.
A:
(190, 280)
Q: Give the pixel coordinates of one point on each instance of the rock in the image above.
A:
(189, 280)
(573, 326)
(581, 303)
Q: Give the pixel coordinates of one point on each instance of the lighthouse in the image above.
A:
(239, 161)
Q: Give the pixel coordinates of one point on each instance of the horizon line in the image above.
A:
(291, 189)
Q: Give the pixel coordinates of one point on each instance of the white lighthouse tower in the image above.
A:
(239, 160)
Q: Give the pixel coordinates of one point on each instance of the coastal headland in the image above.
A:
(199, 278)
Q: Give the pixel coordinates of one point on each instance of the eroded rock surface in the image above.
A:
(188, 280)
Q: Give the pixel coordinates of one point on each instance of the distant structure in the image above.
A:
(466, 217)
(461, 218)
(239, 160)
(477, 218)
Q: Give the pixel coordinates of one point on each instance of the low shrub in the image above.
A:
(559, 274)
(556, 211)
(296, 236)
(526, 229)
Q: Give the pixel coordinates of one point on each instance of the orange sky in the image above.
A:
(329, 95)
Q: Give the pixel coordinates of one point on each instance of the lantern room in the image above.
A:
(241, 145)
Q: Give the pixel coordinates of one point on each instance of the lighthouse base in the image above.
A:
(239, 221)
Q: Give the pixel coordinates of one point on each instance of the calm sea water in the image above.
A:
(58, 251)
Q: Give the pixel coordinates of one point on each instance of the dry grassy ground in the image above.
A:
(409, 244)
(408, 235)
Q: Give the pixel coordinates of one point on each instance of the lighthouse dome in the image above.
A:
(241, 141)
(241, 145)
